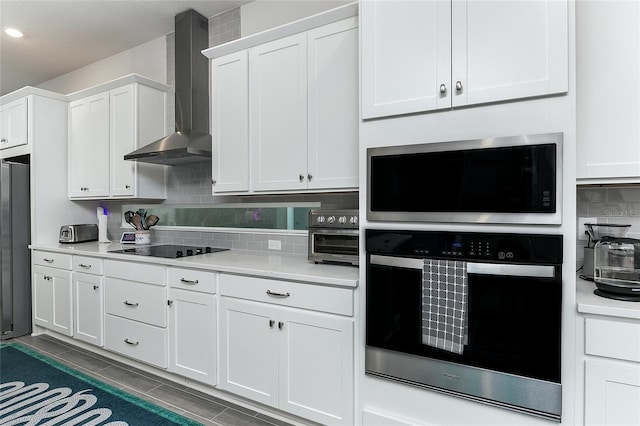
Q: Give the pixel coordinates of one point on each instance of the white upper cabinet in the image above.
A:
(89, 147)
(278, 110)
(295, 89)
(13, 124)
(608, 93)
(104, 127)
(429, 55)
(332, 150)
(230, 122)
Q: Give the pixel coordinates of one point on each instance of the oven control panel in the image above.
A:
(466, 245)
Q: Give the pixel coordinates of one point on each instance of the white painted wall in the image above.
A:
(148, 59)
(262, 15)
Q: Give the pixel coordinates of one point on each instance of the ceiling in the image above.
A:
(62, 36)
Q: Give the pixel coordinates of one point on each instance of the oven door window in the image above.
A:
(513, 322)
(331, 242)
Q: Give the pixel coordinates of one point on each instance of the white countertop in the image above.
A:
(277, 266)
(589, 303)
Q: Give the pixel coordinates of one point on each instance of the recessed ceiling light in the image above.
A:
(13, 32)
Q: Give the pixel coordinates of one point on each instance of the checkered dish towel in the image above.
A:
(444, 305)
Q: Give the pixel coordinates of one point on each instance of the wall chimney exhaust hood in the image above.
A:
(191, 142)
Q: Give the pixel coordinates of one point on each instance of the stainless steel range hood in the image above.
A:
(191, 142)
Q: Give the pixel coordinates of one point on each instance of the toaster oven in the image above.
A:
(334, 236)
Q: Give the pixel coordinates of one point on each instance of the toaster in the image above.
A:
(78, 233)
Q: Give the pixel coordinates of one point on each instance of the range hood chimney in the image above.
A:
(191, 142)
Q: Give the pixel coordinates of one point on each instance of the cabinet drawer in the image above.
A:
(307, 296)
(54, 260)
(140, 302)
(140, 341)
(194, 280)
(135, 271)
(87, 265)
(613, 339)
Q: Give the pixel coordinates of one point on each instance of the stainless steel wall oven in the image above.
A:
(498, 180)
(477, 315)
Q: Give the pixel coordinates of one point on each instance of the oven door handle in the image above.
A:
(534, 271)
(398, 262)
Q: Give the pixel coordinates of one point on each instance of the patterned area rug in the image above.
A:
(36, 390)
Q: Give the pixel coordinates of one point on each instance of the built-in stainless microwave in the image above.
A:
(515, 179)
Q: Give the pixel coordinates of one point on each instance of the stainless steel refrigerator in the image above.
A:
(15, 257)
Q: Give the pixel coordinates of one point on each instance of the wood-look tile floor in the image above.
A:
(205, 409)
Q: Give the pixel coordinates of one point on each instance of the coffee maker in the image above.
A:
(617, 268)
(595, 232)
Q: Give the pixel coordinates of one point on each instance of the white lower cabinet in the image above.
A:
(88, 311)
(612, 372)
(193, 324)
(136, 311)
(52, 292)
(297, 360)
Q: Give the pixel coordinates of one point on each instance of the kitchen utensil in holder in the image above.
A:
(143, 237)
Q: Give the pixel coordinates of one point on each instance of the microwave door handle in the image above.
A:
(398, 262)
(533, 271)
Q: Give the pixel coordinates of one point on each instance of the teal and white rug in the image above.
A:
(36, 390)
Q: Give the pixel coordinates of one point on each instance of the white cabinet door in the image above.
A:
(122, 140)
(612, 392)
(53, 299)
(608, 107)
(333, 106)
(89, 146)
(192, 335)
(13, 124)
(278, 109)
(230, 122)
(508, 50)
(316, 367)
(249, 350)
(88, 314)
(406, 56)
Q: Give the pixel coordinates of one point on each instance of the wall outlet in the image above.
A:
(275, 245)
(581, 231)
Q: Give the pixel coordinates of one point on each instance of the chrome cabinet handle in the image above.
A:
(516, 270)
(443, 88)
(271, 322)
(135, 304)
(301, 177)
(129, 342)
(186, 281)
(275, 294)
(280, 325)
(309, 177)
(458, 85)
(48, 260)
(95, 287)
(82, 265)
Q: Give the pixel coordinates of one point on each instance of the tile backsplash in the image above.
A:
(608, 205)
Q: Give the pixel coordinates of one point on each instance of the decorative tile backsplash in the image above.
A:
(191, 183)
(608, 205)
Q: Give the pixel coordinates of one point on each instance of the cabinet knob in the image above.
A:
(309, 177)
(271, 322)
(95, 287)
(443, 88)
(127, 186)
(3, 140)
(169, 302)
(213, 181)
(458, 86)
(301, 177)
(280, 325)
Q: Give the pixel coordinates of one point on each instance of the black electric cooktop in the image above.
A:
(168, 250)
